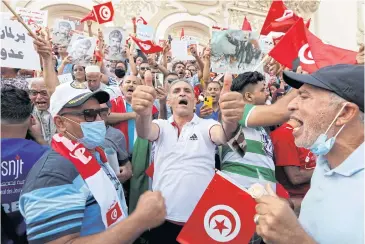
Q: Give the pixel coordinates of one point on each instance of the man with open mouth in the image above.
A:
(184, 148)
(39, 96)
(330, 112)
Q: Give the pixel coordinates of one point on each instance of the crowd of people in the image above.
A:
(124, 152)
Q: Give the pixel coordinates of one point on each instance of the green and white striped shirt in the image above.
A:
(257, 165)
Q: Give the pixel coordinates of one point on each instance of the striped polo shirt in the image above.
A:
(257, 165)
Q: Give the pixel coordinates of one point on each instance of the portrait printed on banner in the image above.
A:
(235, 51)
(115, 40)
(62, 31)
(81, 49)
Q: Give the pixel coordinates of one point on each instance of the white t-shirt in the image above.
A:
(183, 165)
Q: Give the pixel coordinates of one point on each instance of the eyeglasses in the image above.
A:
(43, 93)
(145, 68)
(90, 114)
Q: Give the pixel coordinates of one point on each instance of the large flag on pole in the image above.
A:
(278, 19)
(300, 47)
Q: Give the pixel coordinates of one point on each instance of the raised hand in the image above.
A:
(161, 94)
(205, 111)
(67, 60)
(144, 96)
(231, 104)
(276, 222)
(43, 46)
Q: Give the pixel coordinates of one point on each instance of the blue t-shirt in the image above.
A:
(56, 200)
(131, 127)
(214, 115)
(17, 158)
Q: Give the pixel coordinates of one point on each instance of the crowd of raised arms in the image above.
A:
(111, 138)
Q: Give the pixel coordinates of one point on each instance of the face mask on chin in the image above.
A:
(322, 145)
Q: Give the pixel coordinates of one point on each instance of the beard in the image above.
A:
(315, 126)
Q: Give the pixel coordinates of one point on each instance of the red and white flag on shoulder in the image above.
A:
(102, 13)
(225, 213)
(278, 19)
(299, 47)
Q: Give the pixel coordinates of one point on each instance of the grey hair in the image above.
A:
(336, 100)
(183, 80)
(34, 80)
(176, 81)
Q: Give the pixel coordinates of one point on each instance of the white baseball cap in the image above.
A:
(70, 94)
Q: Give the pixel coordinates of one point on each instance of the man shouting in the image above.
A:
(184, 149)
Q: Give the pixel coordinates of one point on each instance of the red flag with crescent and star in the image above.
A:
(299, 47)
(225, 213)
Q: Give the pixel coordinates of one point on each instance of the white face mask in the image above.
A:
(323, 145)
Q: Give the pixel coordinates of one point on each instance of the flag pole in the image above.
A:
(261, 62)
(20, 19)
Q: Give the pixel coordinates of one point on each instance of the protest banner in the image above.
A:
(17, 49)
(35, 19)
(65, 78)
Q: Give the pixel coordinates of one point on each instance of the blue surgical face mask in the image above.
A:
(323, 145)
(94, 133)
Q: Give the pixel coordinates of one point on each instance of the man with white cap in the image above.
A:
(94, 78)
(72, 194)
(330, 113)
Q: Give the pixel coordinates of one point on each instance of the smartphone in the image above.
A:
(208, 101)
(158, 80)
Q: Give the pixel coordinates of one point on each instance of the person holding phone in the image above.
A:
(210, 108)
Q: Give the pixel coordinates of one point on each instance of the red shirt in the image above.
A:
(288, 154)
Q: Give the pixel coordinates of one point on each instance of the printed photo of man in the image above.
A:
(62, 32)
(115, 47)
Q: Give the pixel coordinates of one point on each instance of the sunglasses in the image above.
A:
(145, 68)
(90, 114)
(43, 93)
(171, 80)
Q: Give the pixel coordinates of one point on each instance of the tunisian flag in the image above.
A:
(148, 46)
(246, 26)
(224, 213)
(102, 13)
(278, 19)
(299, 47)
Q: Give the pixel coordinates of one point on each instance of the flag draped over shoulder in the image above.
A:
(140, 162)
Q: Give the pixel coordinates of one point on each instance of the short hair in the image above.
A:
(16, 106)
(336, 100)
(122, 62)
(34, 80)
(242, 80)
(276, 85)
(179, 80)
(116, 34)
(215, 82)
(64, 24)
(175, 64)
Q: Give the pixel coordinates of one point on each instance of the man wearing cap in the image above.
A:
(72, 194)
(330, 113)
